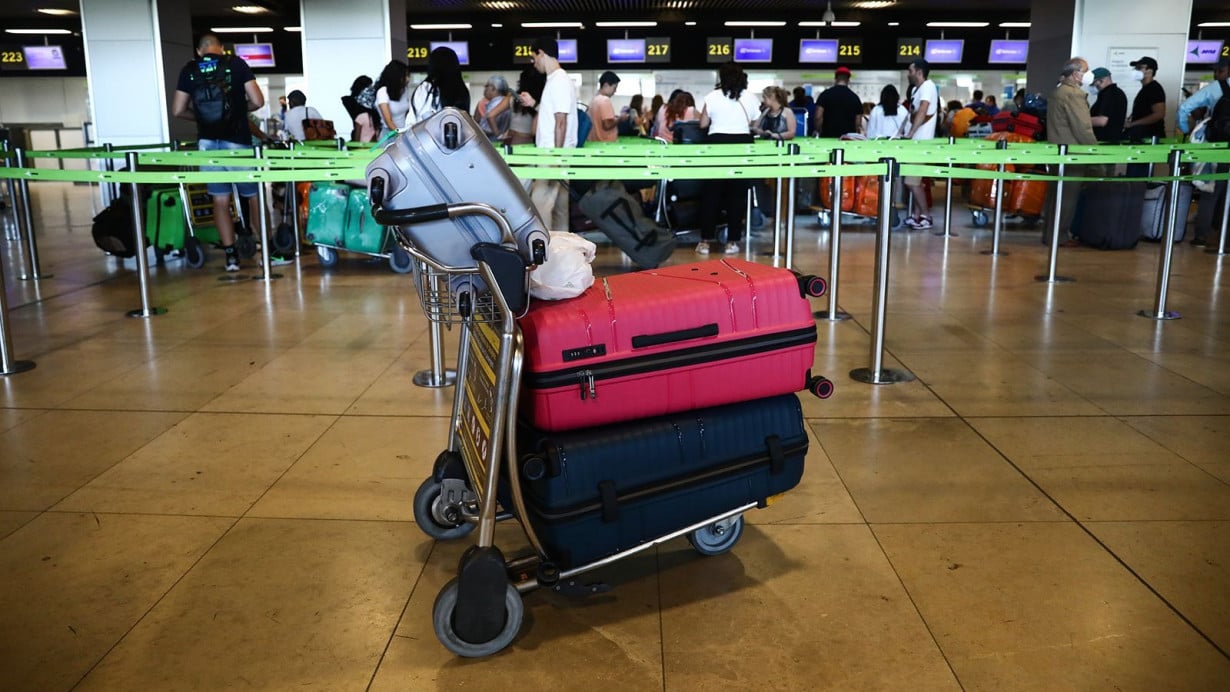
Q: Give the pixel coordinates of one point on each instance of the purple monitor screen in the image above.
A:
(753, 50)
(567, 50)
(948, 51)
(44, 57)
(256, 54)
(1008, 52)
(818, 50)
(625, 50)
(1203, 52)
(461, 48)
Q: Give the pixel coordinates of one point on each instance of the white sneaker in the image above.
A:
(702, 248)
(732, 248)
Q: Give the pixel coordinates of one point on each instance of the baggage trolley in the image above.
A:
(479, 612)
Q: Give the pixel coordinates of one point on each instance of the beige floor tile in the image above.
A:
(853, 399)
(1042, 606)
(1212, 371)
(793, 608)
(75, 583)
(612, 642)
(11, 521)
(276, 604)
(64, 374)
(820, 498)
(210, 464)
(996, 385)
(45, 459)
(394, 393)
(1101, 469)
(1188, 563)
(362, 468)
(392, 330)
(12, 417)
(1202, 440)
(927, 470)
(1128, 385)
(306, 381)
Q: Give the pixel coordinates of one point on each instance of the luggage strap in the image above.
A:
(777, 456)
(610, 503)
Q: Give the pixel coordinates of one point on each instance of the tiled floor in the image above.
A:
(220, 496)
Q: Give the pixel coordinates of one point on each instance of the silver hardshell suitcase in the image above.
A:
(446, 159)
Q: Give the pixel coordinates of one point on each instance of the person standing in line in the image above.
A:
(496, 108)
(1109, 110)
(888, 119)
(1068, 122)
(602, 111)
(838, 107)
(925, 105)
(1208, 97)
(728, 112)
(393, 97)
(217, 91)
(556, 128)
(524, 118)
(299, 111)
(442, 88)
(1148, 117)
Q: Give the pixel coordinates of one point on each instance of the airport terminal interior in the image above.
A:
(221, 496)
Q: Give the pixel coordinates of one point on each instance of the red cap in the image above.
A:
(842, 70)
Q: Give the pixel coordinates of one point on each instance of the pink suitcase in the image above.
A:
(667, 340)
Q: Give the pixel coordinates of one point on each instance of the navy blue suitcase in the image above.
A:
(595, 492)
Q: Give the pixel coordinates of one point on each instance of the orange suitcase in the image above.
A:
(847, 193)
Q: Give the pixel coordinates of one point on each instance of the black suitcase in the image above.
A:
(595, 492)
(620, 217)
(113, 230)
(1108, 215)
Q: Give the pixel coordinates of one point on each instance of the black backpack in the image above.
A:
(1218, 129)
(211, 92)
(113, 229)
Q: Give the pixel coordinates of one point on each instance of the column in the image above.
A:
(342, 40)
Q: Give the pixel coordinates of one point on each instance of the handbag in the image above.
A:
(318, 129)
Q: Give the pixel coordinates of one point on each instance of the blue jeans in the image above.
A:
(246, 190)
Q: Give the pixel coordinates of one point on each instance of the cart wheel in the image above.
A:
(245, 243)
(400, 260)
(821, 387)
(980, 218)
(443, 523)
(824, 218)
(194, 252)
(718, 537)
(326, 255)
(442, 618)
(811, 285)
(284, 239)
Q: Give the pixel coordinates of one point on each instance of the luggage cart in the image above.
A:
(339, 219)
(479, 612)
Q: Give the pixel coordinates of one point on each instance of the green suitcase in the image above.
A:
(166, 227)
(362, 233)
(326, 222)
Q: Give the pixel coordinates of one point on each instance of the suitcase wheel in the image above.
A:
(980, 218)
(811, 285)
(438, 509)
(194, 253)
(820, 387)
(284, 239)
(245, 243)
(442, 619)
(327, 256)
(400, 260)
(717, 537)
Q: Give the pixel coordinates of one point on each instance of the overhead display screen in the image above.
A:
(256, 54)
(461, 48)
(818, 50)
(624, 50)
(945, 52)
(753, 50)
(1203, 52)
(1008, 52)
(567, 50)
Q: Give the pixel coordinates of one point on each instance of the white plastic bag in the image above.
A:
(566, 273)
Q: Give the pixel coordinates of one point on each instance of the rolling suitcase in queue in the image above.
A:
(596, 492)
(1108, 215)
(166, 227)
(1156, 206)
(667, 340)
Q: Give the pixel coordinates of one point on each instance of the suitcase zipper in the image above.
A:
(588, 377)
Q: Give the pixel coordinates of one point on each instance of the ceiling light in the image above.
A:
(500, 5)
(894, 23)
(241, 29)
(958, 25)
(250, 9)
(439, 27)
(552, 25)
(874, 4)
(755, 24)
(619, 25)
(293, 29)
(1014, 25)
(689, 23)
(497, 26)
(830, 23)
(37, 31)
(57, 13)
(1213, 24)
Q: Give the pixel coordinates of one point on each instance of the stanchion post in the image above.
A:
(1159, 311)
(1225, 211)
(8, 364)
(794, 150)
(138, 229)
(12, 232)
(263, 222)
(837, 157)
(778, 194)
(27, 220)
(947, 232)
(112, 188)
(1050, 277)
(747, 235)
(1000, 189)
(294, 211)
(877, 373)
(436, 377)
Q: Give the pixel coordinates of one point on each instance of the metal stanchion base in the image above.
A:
(824, 315)
(885, 376)
(946, 233)
(1213, 251)
(18, 366)
(1001, 253)
(427, 378)
(35, 277)
(1167, 315)
(262, 277)
(1057, 280)
(234, 278)
(153, 312)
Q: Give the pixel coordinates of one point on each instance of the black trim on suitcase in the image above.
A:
(647, 340)
(777, 457)
(609, 501)
(674, 360)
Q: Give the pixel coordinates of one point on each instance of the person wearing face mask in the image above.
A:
(1149, 107)
(1068, 122)
(1109, 110)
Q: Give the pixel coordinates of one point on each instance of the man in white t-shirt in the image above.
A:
(557, 127)
(924, 114)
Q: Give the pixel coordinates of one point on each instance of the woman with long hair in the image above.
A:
(442, 88)
(888, 118)
(363, 117)
(680, 108)
(521, 126)
(392, 97)
(728, 112)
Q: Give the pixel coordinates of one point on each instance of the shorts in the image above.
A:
(911, 180)
(246, 190)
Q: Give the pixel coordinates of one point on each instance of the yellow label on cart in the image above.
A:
(479, 403)
(773, 498)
